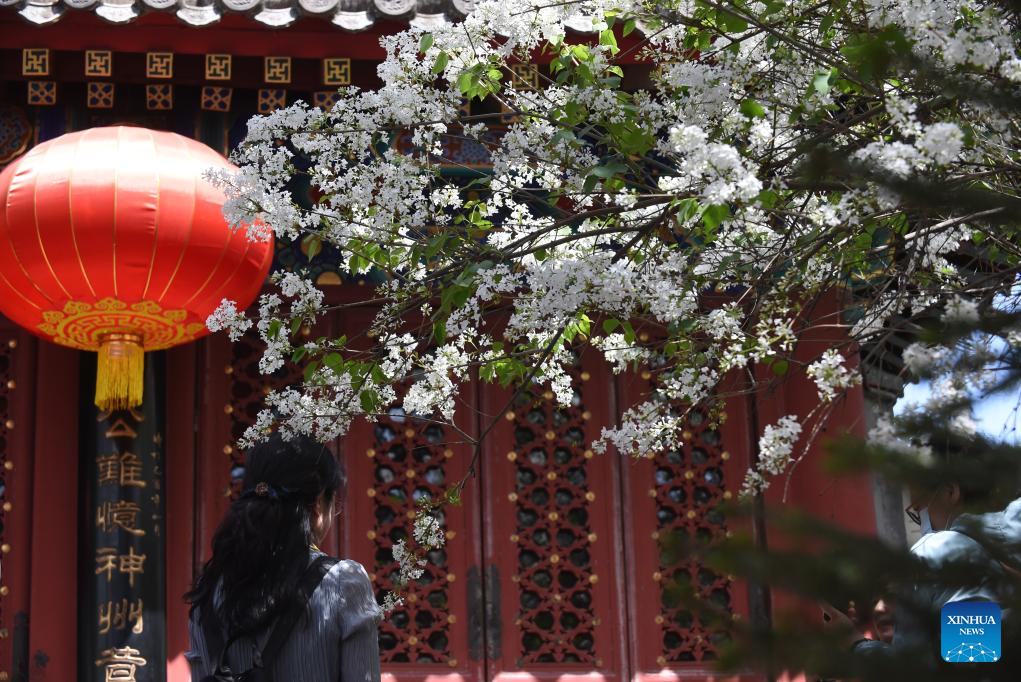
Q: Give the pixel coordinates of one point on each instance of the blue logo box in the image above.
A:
(970, 632)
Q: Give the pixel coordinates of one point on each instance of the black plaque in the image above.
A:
(122, 617)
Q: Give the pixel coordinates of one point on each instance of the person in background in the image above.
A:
(269, 603)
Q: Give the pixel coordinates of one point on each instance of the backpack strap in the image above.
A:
(314, 575)
(998, 555)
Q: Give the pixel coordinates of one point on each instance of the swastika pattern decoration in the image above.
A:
(689, 488)
(271, 99)
(410, 465)
(277, 70)
(35, 61)
(526, 76)
(98, 63)
(337, 71)
(553, 536)
(159, 64)
(215, 98)
(159, 96)
(99, 95)
(218, 67)
(42, 93)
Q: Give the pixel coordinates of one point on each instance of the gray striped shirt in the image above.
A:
(338, 644)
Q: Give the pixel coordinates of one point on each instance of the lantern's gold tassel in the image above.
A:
(120, 372)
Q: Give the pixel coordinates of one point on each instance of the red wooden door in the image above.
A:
(552, 543)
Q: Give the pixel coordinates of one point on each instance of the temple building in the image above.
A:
(554, 566)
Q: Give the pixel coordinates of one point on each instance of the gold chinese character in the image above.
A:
(131, 564)
(123, 469)
(121, 663)
(117, 616)
(120, 514)
(106, 561)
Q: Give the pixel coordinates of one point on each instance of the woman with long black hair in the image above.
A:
(269, 605)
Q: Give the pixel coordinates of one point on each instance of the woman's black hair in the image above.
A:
(263, 544)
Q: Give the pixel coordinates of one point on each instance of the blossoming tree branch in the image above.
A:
(683, 185)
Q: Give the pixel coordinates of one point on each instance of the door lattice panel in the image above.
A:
(410, 460)
(688, 489)
(248, 388)
(555, 574)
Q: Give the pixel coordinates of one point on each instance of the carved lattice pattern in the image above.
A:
(410, 459)
(688, 489)
(248, 388)
(553, 538)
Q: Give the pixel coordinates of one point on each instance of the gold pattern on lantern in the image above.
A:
(509, 416)
(9, 466)
(371, 535)
(554, 559)
(689, 474)
(514, 538)
(725, 455)
(652, 492)
(557, 598)
(657, 576)
(553, 516)
(5, 548)
(12, 343)
(691, 514)
(410, 473)
(413, 640)
(513, 497)
(448, 453)
(4, 591)
(451, 535)
(593, 578)
(511, 456)
(409, 433)
(590, 496)
(11, 385)
(7, 506)
(9, 424)
(228, 370)
(655, 535)
(371, 492)
(727, 494)
(585, 376)
(452, 663)
(370, 453)
(451, 577)
(227, 409)
(686, 435)
(586, 415)
(551, 435)
(659, 620)
(548, 395)
(515, 578)
(592, 537)
(643, 337)
(646, 375)
(661, 660)
(410, 514)
(227, 449)
(588, 454)
(552, 476)
(412, 598)
(451, 619)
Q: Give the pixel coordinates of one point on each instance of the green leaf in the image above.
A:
(821, 83)
(752, 109)
(453, 496)
(440, 331)
(714, 215)
(609, 326)
(609, 39)
(732, 22)
(629, 26)
(310, 370)
(295, 325)
(274, 329)
(442, 59)
(780, 367)
(426, 42)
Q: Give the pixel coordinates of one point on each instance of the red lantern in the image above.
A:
(112, 240)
